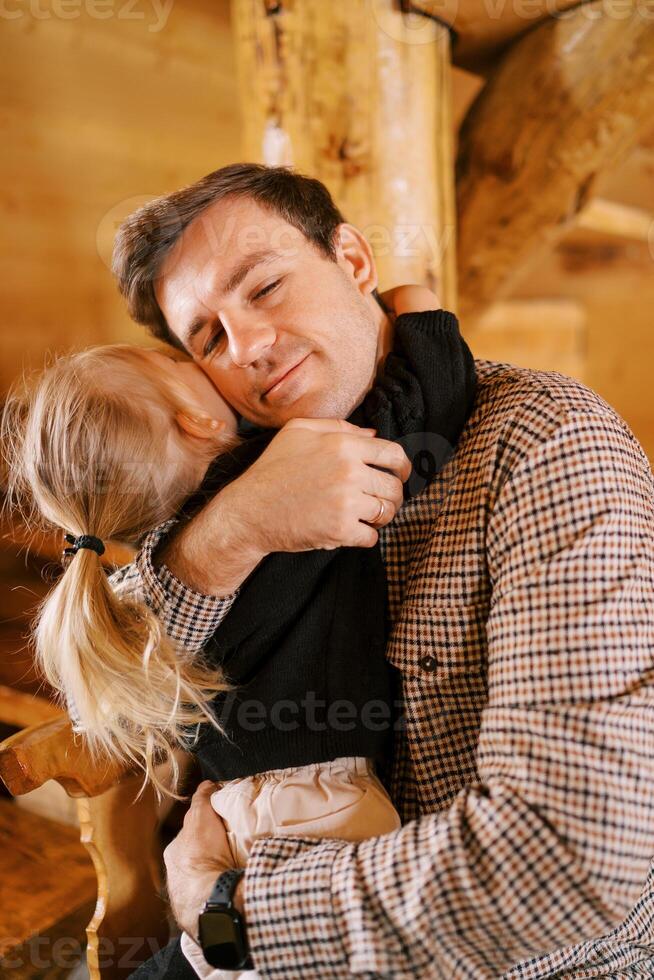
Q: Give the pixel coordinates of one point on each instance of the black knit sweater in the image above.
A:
(305, 640)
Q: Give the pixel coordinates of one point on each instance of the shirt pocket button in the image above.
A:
(428, 663)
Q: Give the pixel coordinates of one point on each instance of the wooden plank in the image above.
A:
(45, 875)
(119, 831)
(537, 138)
(21, 710)
(50, 957)
(339, 91)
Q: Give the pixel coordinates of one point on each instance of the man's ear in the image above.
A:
(200, 426)
(355, 256)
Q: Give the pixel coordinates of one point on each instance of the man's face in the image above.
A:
(282, 331)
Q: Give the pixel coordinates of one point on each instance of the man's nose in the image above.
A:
(249, 340)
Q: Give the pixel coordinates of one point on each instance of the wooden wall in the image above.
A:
(98, 114)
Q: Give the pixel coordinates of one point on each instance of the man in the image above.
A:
(522, 604)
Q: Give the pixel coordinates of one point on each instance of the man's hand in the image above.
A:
(195, 858)
(314, 486)
(317, 484)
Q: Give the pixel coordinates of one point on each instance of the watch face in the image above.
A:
(221, 939)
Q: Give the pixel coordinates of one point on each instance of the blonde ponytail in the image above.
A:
(85, 455)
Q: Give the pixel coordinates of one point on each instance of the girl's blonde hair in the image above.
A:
(92, 446)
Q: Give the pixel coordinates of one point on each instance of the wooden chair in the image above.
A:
(129, 923)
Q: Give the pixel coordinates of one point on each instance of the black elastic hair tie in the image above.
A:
(83, 541)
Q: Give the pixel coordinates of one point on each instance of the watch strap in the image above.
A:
(221, 900)
(223, 891)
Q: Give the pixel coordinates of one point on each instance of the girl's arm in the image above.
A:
(410, 299)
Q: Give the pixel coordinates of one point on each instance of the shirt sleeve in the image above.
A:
(189, 618)
(552, 847)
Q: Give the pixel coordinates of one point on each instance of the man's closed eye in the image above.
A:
(267, 289)
(210, 345)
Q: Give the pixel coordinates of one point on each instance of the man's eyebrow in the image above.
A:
(236, 278)
(240, 272)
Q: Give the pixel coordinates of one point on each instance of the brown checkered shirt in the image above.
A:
(521, 587)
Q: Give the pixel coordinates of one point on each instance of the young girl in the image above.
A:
(111, 442)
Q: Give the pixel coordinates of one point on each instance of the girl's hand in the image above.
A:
(410, 299)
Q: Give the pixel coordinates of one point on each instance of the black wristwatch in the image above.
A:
(220, 926)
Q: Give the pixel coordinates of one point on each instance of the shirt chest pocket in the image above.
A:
(441, 643)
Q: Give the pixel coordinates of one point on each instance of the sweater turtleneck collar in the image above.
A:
(424, 392)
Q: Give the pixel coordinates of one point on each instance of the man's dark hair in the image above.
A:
(146, 237)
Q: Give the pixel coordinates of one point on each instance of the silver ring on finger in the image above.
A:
(380, 515)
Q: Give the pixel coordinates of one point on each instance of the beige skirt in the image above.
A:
(342, 798)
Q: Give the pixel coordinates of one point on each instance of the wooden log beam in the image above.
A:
(547, 124)
(343, 91)
(613, 220)
(482, 28)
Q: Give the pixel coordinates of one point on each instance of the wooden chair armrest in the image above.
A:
(22, 710)
(52, 750)
(119, 831)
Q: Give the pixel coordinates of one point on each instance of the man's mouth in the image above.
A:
(282, 378)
